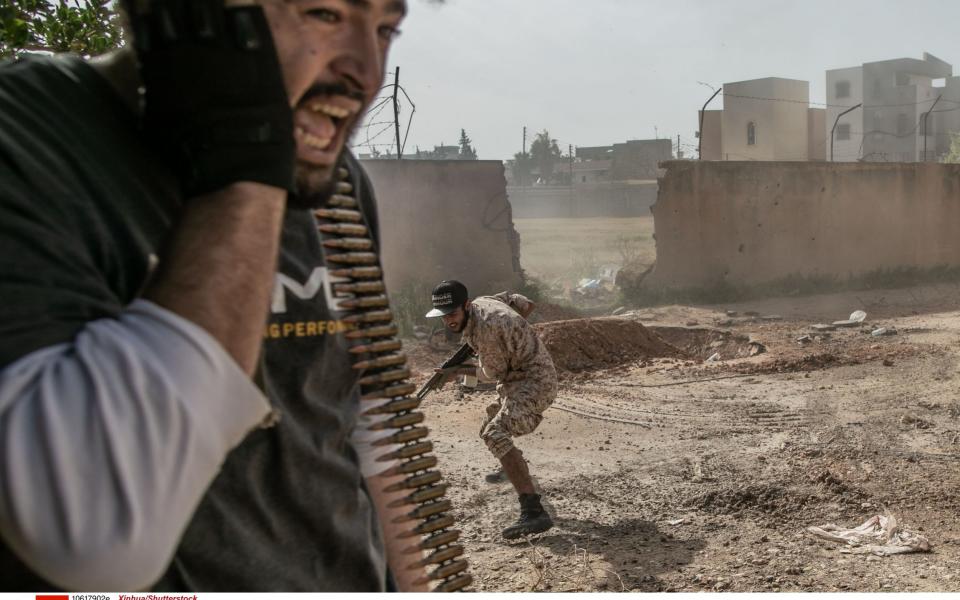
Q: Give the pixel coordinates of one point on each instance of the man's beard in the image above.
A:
(316, 183)
(463, 323)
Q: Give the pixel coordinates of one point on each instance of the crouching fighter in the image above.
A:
(511, 353)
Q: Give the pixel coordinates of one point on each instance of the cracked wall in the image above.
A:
(754, 222)
(445, 219)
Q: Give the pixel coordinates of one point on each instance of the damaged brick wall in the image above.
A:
(754, 222)
(445, 219)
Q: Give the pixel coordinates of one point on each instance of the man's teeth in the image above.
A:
(336, 112)
(313, 141)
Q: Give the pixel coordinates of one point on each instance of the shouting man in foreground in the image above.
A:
(155, 221)
(509, 350)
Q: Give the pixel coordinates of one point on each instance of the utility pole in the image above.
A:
(678, 146)
(926, 132)
(702, 111)
(852, 108)
(570, 153)
(396, 110)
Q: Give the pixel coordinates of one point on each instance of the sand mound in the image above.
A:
(582, 344)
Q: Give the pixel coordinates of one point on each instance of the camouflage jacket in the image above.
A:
(508, 346)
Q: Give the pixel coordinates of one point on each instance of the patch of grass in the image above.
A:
(793, 285)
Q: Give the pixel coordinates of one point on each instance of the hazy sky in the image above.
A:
(595, 72)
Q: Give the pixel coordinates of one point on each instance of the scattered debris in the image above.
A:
(887, 362)
(757, 348)
(883, 331)
(732, 313)
(771, 318)
(857, 317)
(675, 522)
(804, 339)
(822, 327)
(751, 313)
(879, 535)
(692, 323)
(714, 357)
(619, 310)
(846, 323)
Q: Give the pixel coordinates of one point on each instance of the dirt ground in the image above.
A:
(667, 472)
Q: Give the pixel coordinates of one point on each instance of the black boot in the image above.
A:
(533, 519)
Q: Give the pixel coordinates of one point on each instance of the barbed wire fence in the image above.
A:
(373, 136)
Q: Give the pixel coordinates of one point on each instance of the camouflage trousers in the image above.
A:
(518, 411)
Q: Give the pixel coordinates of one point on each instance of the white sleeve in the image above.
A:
(108, 444)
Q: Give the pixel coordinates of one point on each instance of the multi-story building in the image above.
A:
(764, 119)
(630, 160)
(894, 122)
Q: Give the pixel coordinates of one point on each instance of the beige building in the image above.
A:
(764, 119)
(892, 123)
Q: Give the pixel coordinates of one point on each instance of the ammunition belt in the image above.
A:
(352, 259)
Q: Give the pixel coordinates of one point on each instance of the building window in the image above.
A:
(751, 133)
(843, 131)
(842, 89)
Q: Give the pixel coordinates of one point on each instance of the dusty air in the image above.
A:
(441, 296)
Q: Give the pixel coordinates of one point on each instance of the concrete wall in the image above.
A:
(616, 199)
(445, 219)
(755, 222)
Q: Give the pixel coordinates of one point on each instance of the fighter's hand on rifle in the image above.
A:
(215, 105)
(451, 372)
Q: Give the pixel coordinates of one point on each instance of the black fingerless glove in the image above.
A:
(214, 102)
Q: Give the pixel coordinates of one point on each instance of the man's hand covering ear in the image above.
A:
(215, 105)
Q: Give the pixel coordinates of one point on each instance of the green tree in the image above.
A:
(954, 155)
(467, 152)
(544, 151)
(85, 27)
(521, 167)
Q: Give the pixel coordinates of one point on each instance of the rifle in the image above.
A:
(459, 357)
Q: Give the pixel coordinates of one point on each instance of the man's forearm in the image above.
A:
(398, 561)
(218, 268)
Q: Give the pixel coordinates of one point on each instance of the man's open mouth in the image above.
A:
(321, 126)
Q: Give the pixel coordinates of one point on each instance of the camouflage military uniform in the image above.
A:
(510, 352)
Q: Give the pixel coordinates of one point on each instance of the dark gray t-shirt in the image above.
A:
(83, 204)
